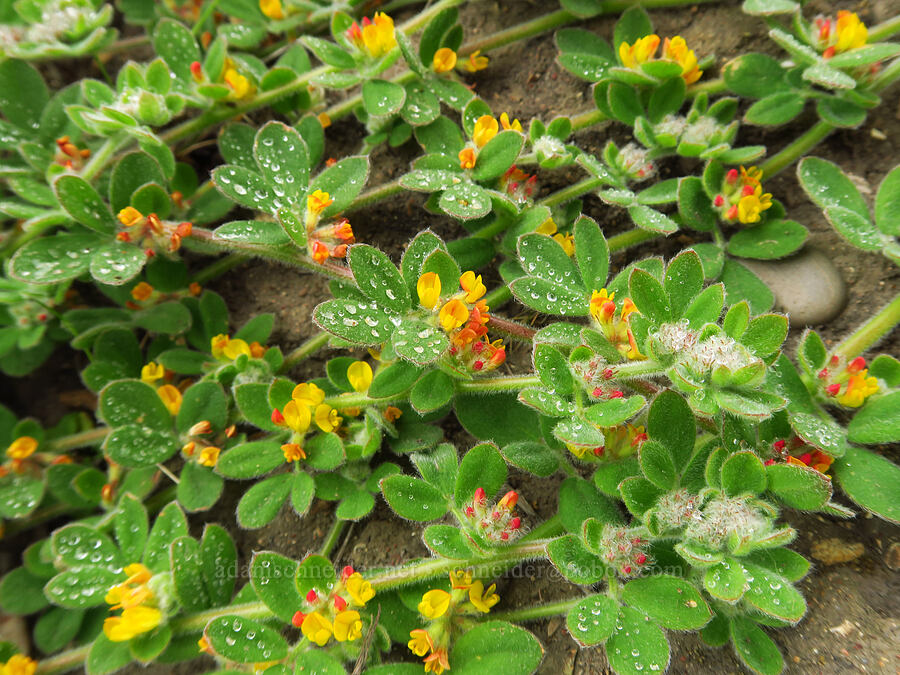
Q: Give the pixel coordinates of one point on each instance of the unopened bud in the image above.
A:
(509, 500)
(312, 597)
(346, 572)
(339, 603)
(277, 417)
(200, 428)
(297, 619)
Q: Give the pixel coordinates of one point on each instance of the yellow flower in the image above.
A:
(327, 418)
(22, 447)
(676, 50)
(308, 393)
(347, 626)
(297, 416)
(640, 52)
(467, 158)
(752, 176)
(209, 456)
(378, 35)
(236, 348)
(217, 345)
(360, 375)
(435, 603)
(460, 579)
(859, 388)
(444, 60)
(134, 621)
(751, 206)
(578, 450)
(482, 599)
(421, 642)
(360, 590)
(19, 664)
(437, 662)
(851, 32)
(171, 398)
(473, 286)
(504, 122)
(239, 84)
(272, 9)
(567, 241)
(152, 372)
(293, 452)
(486, 128)
(453, 315)
(318, 201)
(317, 628)
(476, 62)
(429, 289)
(130, 216)
(142, 291)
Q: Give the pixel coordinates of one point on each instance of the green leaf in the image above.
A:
(871, 481)
(639, 494)
(261, 503)
(743, 473)
(170, 318)
(419, 342)
(840, 113)
(117, 263)
(695, 206)
(169, 525)
(199, 488)
(553, 369)
(135, 445)
(613, 411)
(550, 298)
(230, 637)
(75, 545)
(203, 401)
(683, 281)
(377, 278)
(574, 562)
(742, 284)
(56, 628)
(650, 219)
(131, 527)
(579, 500)
(483, 467)
(591, 252)
(465, 201)
(187, 575)
(84, 203)
(430, 180)
(356, 322)
(504, 420)
(249, 460)
(24, 94)
(592, 620)
(673, 602)
(50, 260)
(769, 240)
(272, 576)
(636, 634)
(421, 107)
(775, 109)
(303, 489)
(282, 158)
(22, 593)
(176, 45)
(413, 499)
(826, 76)
(381, 97)
(877, 422)
(328, 52)
(395, 379)
(544, 258)
(133, 171)
(772, 594)
(754, 648)
(631, 26)
(106, 656)
(432, 392)
(887, 204)
(671, 422)
(657, 465)
(325, 452)
(218, 556)
(258, 232)
(535, 458)
(857, 229)
(495, 647)
(649, 296)
(725, 581)
(245, 187)
(343, 181)
(314, 573)
(447, 541)
(497, 155)
(355, 506)
(827, 186)
(80, 587)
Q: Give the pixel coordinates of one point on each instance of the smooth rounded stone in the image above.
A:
(807, 286)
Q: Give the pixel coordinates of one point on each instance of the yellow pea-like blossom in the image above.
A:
(421, 642)
(209, 456)
(632, 56)
(515, 125)
(130, 216)
(317, 628)
(132, 622)
(751, 206)
(476, 62)
(360, 590)
(453, 315)
(318, 201)
(359, 373)
(239, 84)
(483, 599)
(486, 127)
(142, 291)
(676, 50)
(473, 286)
(851, 32)
(297, 416)
(859, 388)
(347, 626)
(19, 664)
(293, 452)
(428, 288)
(236, 348)
(327, 418)
(378, 35)
(22, 447)
(308, 393)
(444, 60)
(467, 158)
(170, 397)
(434, 604)
(272, 9)
(152, 372)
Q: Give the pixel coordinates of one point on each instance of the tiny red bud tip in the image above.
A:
(339, 603)
(312, 597)
(617, 394)
(597, 393)
(823, 373)
(346, 572)
(297, 619)
(515, 523)
(640, 559)
(719, 201)
(277, 417)
(608, 374)
(480, 497)
(833, 389)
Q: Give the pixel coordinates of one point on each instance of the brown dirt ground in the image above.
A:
(526, 81)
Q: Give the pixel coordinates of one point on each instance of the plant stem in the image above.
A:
(497, 297)
(305, 350)
(871, 331)
(217, 268)
(67, 660)
(572, 192)
(124, 45)
(83, 439)
(796, 149)
(587, 119)
(496, 385)
(512, 329)
(522, 31)
(885, 29)
(537, 611)
(334, 536)
(375, 195)
(100, 158)
(208, 9)
(630, 238)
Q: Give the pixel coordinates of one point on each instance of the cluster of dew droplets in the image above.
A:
(425, 342)
(246, 637)
(261, 197)
(55, 262)
(552, 401)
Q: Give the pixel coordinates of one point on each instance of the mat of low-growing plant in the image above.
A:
(661, 393)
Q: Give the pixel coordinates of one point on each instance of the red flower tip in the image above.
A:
(480, 497)
(339, 603)
(626, 569)
(731, 177)
(297, 619)
(515, 523)
(779, 445)
(769, 462)
(856, 365)
(608, 374)
(640, 559)
(346, 572)
(806, 457)
(833, 389)
(597, 393)
(823, 373)
(598, 451)
(277, 417)
(719, 201)
(617, 394)
(835, 360)
(478, 365)
(312, 597)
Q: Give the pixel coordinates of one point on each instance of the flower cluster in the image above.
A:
(153, 373)
(149, 232)
(18, 664)
(851, 385)
(140, 610)
(338, 234)
(520, 186)
(70, 155)
(206, 453)
(328, 615)
(464, 317)
(486, 127)
(741, 198)
(445, 60)
(620, 441)
(241, 87)
(835, 36)
(441, 607)
(226, 348)
(306, 405)
(145, 293)
(676, 509)
(375, 37)
(674, 50)
(614, 325)
(494, 522)
(797, 451)
(624, 550)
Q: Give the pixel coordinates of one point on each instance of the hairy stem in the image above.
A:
(305, 350)
(219, 267)
(83, 439)
(884, 321)
(537, 611)
(334, 536)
